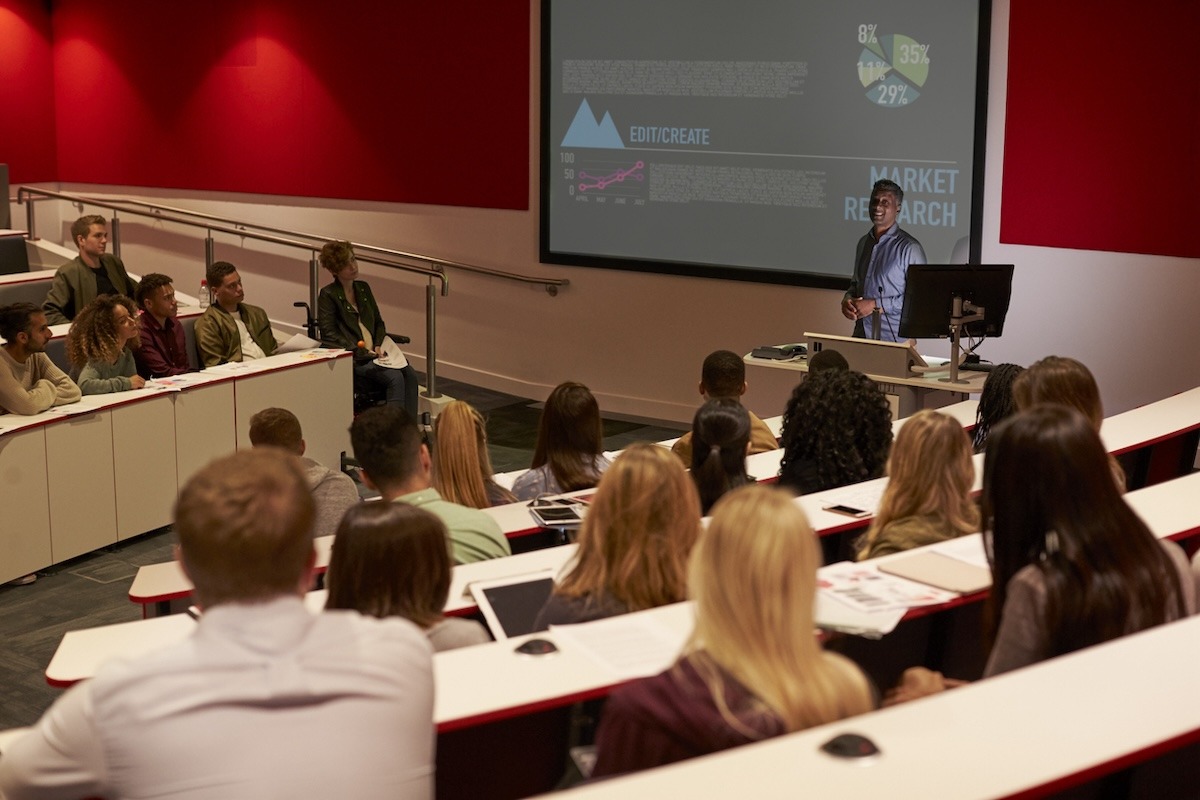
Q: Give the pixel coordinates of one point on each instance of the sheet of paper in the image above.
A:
(393, 357)
(833, 615)
(297, 343)
(965, 548)
(864, 588)
(629, 645)
(866, 497)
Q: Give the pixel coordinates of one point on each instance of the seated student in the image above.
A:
(163, 350)
(827, 358)
(836, 431)
(350, 320)
(100, 344)
(723, 374)
(333, 492)
(462, 469)
(996, 402)
(92, 273)
(30, 383)
(568, 455)
(230, 330)
(387, 443)
(263, 699)
(390, 560)
(928, 495)
(753, 668)
(720, 440)
(1072, 564)
(634, 541)
(1056, 379)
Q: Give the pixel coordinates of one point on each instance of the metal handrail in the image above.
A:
(551, 284)
(252, 231)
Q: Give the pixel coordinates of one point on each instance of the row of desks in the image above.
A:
(158, 587)
(82, 476)
(1167, 508)
(469, 707)
(531, 695)
(1172, 422)
(1028, 733)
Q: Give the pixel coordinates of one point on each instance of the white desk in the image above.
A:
(82, 476)
(1169, 509)
(25, 287)
(9, 736)
(1043, 728)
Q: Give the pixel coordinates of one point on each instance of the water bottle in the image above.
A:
(204, 297)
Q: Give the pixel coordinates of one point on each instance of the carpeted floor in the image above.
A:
(93, 590)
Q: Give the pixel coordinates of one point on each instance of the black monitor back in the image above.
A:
(929, 298)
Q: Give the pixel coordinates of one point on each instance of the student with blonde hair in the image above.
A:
(462, 469)
(928, 494)
(390, 560)
(634, 542)
(100, 345)
(753, 668)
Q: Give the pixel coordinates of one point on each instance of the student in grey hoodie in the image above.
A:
(333, 492)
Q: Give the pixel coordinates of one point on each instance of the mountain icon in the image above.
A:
(586, 132)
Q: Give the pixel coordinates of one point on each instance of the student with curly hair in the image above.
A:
(462, 469)
(390, 560)
(100, 345)
(720, 441)
(569, 454)
(837, 429)
(634, 542)
(996, 402)
(753, 668)
(928, 495)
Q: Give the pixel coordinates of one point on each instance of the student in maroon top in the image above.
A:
(753, 667)
(163, 351)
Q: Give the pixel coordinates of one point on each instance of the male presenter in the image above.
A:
(881, 267)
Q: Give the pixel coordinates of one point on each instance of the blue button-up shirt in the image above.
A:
(882, 277)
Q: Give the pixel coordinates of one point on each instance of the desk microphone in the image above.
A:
(891, 328)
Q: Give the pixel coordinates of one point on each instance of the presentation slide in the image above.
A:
(741, 139)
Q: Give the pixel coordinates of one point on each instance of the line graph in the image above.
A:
(619, 175)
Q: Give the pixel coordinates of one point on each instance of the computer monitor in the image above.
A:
(929, 298)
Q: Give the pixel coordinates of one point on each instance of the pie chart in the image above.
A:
(892, 68)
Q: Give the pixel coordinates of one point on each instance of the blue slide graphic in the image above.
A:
(586, 132)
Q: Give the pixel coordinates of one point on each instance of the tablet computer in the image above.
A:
(510, 605)
(558, 512)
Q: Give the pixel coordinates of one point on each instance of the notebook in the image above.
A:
(941, 571)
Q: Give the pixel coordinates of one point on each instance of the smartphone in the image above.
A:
(849, 511)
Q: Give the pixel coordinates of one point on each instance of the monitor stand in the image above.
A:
(973, 313)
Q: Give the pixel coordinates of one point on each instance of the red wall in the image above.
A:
(1102, 139)
(26, 92)
(404, 101)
